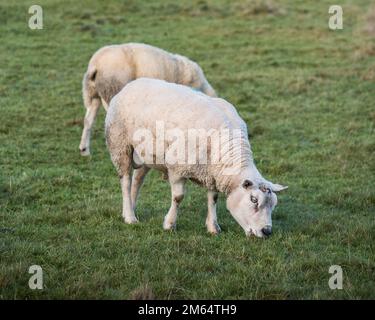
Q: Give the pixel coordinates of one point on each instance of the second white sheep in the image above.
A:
(112, 67)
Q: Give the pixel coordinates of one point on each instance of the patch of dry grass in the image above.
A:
(260, 7)
(370, 22)
(142, 293)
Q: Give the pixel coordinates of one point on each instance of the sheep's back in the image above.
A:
(144, 102)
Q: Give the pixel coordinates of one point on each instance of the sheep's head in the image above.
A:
(251, 204)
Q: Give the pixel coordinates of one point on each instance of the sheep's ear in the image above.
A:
(247, 184)
(278, 187)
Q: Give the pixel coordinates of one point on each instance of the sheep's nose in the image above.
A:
(267, 231)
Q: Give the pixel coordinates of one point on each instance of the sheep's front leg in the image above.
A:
(211, 221)
(127, 208)
(137, 181)
(178, 191)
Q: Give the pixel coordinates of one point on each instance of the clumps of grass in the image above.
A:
(89, 28)
(256, 130)
(370, 22)
(202, 8)
(4, 282)
(74, 122)
(360, 200)
(301, 84)
(143, 292)
(369, 75)
(280, 169)
(260, 7)
(367, 49)
(364, 51)
(196, 9)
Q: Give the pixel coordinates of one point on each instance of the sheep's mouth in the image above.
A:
(250, 232)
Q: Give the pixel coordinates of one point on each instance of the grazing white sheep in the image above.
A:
(149, 125)
(112, 67)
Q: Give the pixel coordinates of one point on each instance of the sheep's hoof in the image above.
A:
(168, 226)
(131, 220)
(85, 152)
(213, 228)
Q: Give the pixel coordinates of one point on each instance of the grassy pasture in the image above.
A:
(307, 94)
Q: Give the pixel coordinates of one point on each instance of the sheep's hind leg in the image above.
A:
(137, 181)
(105, 105)
(178, 190)
(91, 111)
(125, 179)
(211, 221)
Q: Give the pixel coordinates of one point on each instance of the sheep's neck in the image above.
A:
(237, 165)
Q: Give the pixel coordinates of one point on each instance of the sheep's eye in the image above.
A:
(253, 199)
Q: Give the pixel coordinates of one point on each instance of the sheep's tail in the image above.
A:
(207, 89)
(88, 86)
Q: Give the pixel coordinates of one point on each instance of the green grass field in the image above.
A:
(307, 94)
